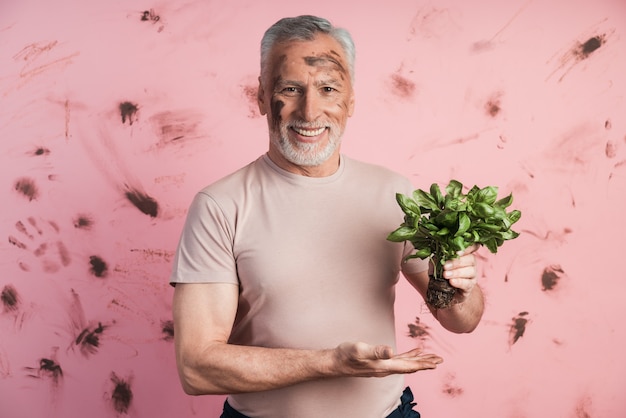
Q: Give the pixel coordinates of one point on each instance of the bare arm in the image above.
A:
(468, 306)
(207, 364)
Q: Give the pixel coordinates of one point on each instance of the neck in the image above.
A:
(328, 168)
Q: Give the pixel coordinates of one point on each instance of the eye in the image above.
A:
(328, 89)
(290, 91)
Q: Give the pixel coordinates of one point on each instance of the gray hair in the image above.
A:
(305, 28)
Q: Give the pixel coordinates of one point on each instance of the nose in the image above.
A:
(311, 106)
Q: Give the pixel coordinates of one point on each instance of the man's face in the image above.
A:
(307, 96)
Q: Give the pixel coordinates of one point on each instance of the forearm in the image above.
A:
(226, 368)
(463, 316)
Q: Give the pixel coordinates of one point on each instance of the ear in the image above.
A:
(260, 98)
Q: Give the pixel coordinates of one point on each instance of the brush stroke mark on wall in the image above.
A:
(122, 394)
(128, 112)
(487, 44)
(517, 327)
(176, 126)
(167, 329)
(39, 57)
(83, 221)
(10, 299)
(450, 387)
(84, 335)
(493, 106)
(580, 51)
(48, 369)
(551, 276)
(26, 187)
(432, 22)
(401, 86)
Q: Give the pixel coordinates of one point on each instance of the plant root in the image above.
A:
(440, 293)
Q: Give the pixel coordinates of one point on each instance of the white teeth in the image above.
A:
(309, 132)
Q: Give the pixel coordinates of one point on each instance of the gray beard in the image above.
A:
(305, 155)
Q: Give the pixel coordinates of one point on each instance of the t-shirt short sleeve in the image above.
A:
(205, 249)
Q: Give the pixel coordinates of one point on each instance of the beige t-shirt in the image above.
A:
(314, 269)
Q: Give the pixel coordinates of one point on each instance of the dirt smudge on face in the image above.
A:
(327, 61)
(277, 107)
(27, 187)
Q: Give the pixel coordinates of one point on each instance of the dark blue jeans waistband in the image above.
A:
(404, 410)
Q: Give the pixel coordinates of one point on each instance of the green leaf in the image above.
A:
(401, 234)
(423, 253)
(514, 216)
(487, 195)
(408, 205)
(505, 202)
(464, 224)
(454, 189)
(435, 192)
(425, 200)
(483, 210)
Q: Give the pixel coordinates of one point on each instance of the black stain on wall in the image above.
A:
(583, 50)
(99, 267)
(450, 388)
(41, 151)
(83, 221)
(167, 329)
(48, 369)
(128, 112)
(122, 395)
(518, 327)
(551, 276)
(418, 330)
(26, 187)
(402, 86)
(10, 298)
(89, 339)
(494, 105)
(143, 202)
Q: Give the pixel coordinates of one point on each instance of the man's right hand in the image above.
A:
(364, 360)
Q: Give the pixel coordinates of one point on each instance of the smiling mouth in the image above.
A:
(308, 132)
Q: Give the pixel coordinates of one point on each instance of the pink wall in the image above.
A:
(112, 115)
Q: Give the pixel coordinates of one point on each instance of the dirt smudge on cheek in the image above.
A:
(277, 106)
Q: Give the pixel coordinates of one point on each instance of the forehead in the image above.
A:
(322, 53)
